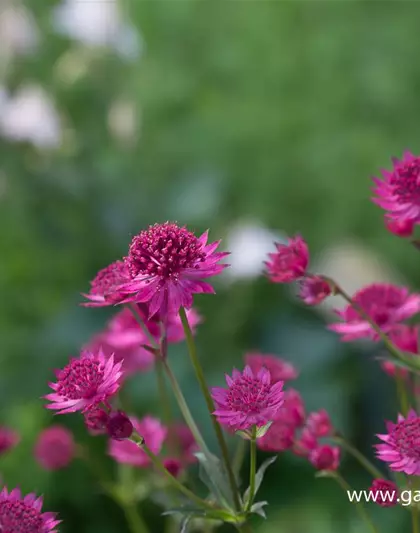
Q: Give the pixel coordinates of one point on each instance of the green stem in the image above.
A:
(367, 465)
(134, 519)
(210, 406)
(402, 392)
(359, 506)
(252, 467)
(415, 519)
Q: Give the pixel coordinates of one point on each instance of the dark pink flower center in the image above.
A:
(380, 303)
(109, 278)
(406, 181)
(248, 395)
(406, 436)
(18, 517)
(164, 250)
(80, 379)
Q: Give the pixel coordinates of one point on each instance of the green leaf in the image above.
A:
(201, 513)
(259, 476)
(184, 524)
(258, 508)
(214, 477)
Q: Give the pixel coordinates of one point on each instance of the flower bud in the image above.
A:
(119, 426)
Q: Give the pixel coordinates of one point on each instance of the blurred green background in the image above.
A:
(242, 117)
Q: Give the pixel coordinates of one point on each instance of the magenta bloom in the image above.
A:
(386, 304)
(96, 421)
(399, 190)
(174, 328)
(292, 411)
(406, 338)
(280, 370)
(325, 457)
(185, 443)
(104, 289)
(128, 452)
(119, 426)
(402, 445)
(9, 438)
(314, 290)
(384, 493)
(84, 383)
(306, 444)
(290, 261)
(401, 228)
(319, 423)
(250, 400)
(23, 514)
(167, 264)
(279, 437)
(55, 448)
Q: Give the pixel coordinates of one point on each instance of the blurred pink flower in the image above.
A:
(289, 262)
(279, 437)
(401, 228)
(387, 305)
(85, 383)
(119, 426)
(280, 370)
(325, 457)
(406, 339)
(250, 400)
(55, 448)
(306, 443)
(9, 438)
(384, 492)
(104, 288)
(292, 411)
(314, 290)
(168, 264)
(319, 423)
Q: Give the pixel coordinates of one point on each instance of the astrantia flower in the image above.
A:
(104, 289)
(184, 442)
(96, 421)
(325, 457)
(250, 400)
(399, 190)
(128, 452)
(280, 370)
(401, 228)
(384, 492)
(55, 448)
(9, 438)
(84, 383)
(119, 426)
(279, 437)
(22, 514)
(406, 339)
(167, 264)
(386, 304)
(314, 290)
(306, 444)
(290, 261)
(402, 445)
(319, 423)
(292, 411)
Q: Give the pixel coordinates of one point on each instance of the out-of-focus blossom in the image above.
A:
(128, 452)
(398, 192)
(319, 423)
(19, 34)
(181, 442)
(401, 228)
(279, 437)
(292, 411)
(168, 264)
(22, 514)
(30, 116)
(325, 457)
(384, 492)
(280, 370)
(55, 448)
(401, 448)
(104, 288)
(174, 328)
(9, 438)
(387, 305)
(85, 383)
(289, 262)
(314, 290)
(119, 426)
(96, 420)
(173, 466)
(250, 399)
(305, 444)
(406, 339)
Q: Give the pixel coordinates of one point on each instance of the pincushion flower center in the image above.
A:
(407, 438)
(17, 517)
(406, 182)
(248, 395)
(80, 379)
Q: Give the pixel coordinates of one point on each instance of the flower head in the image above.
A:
(314, 290)
(387, 305)
(85, 383)
(9, 438)
(292, 411)
(250, 400)
(104, 289)
(22, 514)
(325, 457)
(96, 421)
(290, 261)
(280, 370)
(319, 423)
(55, 448)
(127, 452)
(384, 492)
(306, 444)
(279, 437)
(167, 264)
(401, 228)
(398, 192)
(402, 445)
(119, 426)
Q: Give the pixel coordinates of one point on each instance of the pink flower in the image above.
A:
(104, 289)
(84, 383)
(23, 514)
(325, 457)
(96, 421)
(168, 264)
(314, 290)
(119, 426)
(319, 423)
(406, 339)
(128, 452)
(402, 445)
(384, 493)
(289, 262)
(399, 190)
(306, 444)
(401, 228)
(279, 437)
(250, 400)
(280, 370)
(173, 466)
(292, 411)
(174, 328)
(9, 438)
(386, 304)
(55, 448)
(185, 443)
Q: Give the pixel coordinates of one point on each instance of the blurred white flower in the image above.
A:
(123, 120)
(249, 243)
(19, 34)
(97, 23)
(30, 116)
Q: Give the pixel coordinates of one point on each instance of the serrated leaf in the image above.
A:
(213, 476)
(259, 476)
(258, 508)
